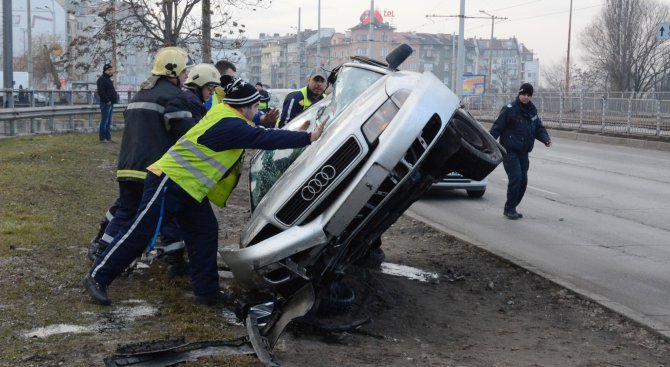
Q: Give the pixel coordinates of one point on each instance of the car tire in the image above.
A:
(479, 153)
(338, 300)
(476, 193)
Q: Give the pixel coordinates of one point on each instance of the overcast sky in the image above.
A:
(542, 25)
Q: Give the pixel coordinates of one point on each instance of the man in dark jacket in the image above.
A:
(518, 126)
(108, 97)
(301, 99)
(146, 136)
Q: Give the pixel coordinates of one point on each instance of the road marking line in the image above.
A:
(538, 189)
(562, 157)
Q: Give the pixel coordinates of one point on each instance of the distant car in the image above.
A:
(456, 181)
(40, 97)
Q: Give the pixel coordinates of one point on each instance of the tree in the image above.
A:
(621, 43)
(149, 25)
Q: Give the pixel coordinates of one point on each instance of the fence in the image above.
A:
(620, 116)
(46, 111)
(66, 111)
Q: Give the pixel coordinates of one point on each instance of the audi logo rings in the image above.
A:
(318, 182)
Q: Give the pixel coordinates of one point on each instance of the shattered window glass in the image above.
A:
(267, 166)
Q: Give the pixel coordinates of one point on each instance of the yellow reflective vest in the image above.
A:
(218, 96)
(305, 103)
(200, 171)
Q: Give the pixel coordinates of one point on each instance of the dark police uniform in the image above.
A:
(518, 126)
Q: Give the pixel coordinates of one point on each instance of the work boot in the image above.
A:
(216, 299)
(513, 215)
(95, 249)
(177, 265)
(97, 291)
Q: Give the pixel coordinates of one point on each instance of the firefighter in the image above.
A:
(203, 166)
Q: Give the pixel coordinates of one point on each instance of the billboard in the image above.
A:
(473, 85)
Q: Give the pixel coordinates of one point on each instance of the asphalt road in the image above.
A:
(596, 220)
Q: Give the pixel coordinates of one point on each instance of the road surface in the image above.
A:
(596, 220)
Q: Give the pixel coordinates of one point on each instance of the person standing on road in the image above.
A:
(518, 126)
(301, 99)
(204, 165)
(108, 97)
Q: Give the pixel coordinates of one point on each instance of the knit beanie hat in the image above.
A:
(240, 93)
(106, 66)
(526, 88)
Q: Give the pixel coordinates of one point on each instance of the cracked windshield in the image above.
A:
(267, 166)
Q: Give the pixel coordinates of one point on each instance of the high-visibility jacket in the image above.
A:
(216, 98)
(200, 171)
(288, 107)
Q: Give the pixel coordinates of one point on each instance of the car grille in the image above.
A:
(413, 155)
(312, 189)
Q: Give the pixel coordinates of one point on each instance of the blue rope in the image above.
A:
(152, 244)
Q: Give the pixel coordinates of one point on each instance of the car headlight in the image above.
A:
(378, 122)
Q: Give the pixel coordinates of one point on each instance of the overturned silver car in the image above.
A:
(389, 135)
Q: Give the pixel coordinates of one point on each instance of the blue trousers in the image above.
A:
(124, 209)
(163, 198)
(104, 132)
(516, 167)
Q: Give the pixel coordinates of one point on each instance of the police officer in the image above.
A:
(300, 100)
(146, 136)
(203, 166)
(518, 126)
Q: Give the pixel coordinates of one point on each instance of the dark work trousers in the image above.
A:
(122, 212)
(165, 199)
(516, 167)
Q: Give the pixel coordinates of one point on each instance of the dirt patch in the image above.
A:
(480, 311)
(477, 311)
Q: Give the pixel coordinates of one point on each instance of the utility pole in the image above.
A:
(371, 29)
(30, 44)
(206, 31)
(567, 60)
(489, 81)
(299, 58)
(318, 37)
(113, 29)
(461, 43)
(7, 66)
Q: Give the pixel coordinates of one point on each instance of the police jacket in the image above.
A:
(147, 134)
(106, 89)
(296, 102)
(518, 126)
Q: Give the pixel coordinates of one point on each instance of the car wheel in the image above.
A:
(479, 153)
(338, 300)
(476, 193)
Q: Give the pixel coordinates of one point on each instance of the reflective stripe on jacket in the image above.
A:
(145, 135)
(200, 171)
(287, 110)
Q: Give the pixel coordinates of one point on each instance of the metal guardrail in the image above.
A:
(50, 119)
(620, 116)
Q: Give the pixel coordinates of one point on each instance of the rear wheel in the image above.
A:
(476, 193)
(479, 153)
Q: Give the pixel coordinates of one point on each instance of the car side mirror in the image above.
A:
(398, 56)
